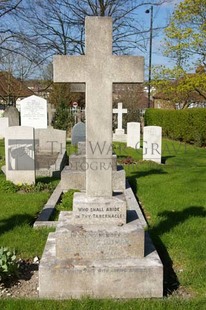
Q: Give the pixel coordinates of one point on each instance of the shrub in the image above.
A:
(63, 119)
(184, 125)
(7, 186)
(8, 263)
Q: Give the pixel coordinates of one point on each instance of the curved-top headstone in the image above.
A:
(78, 133)
(34, 112)
(13, 115)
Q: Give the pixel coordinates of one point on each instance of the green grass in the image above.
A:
(65, 204)
(18, 211)
(91, 304)
(173, 197)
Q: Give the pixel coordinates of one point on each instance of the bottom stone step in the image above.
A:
(119, 278)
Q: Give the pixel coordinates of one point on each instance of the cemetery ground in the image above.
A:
(172, 196)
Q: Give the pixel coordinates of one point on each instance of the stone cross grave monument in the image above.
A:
(94, 251)
(120, 113)
(99, 69)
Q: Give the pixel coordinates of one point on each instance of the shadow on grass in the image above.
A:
(14, 221)
(138, 174)
(172, 219)
(47, 180)
(165, 158)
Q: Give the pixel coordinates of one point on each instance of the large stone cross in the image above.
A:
(119, 112)
(98, 68)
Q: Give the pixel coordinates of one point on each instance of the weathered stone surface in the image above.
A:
(133, 135)
(77, 179)
(152, 143)
(98, 68)
(115, 278)
(78, 163)
(81, 148)
(111, 242)
(95, 252)
(20, 155)
(98, 210)
(50, 140)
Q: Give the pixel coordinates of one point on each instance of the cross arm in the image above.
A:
(70, 69)
(127, 69)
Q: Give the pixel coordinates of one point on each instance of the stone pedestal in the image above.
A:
(99, 262)
(99, 210)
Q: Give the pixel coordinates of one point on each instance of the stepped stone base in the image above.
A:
(119, 137)
(94, 210)
(112, 278)
(114, 242)
(77, 179)
(100, 261)
(78, 163)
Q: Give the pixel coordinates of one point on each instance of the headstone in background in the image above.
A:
(133, 135)
(152, 143)
(120, 113)
(78, 133)
(51, 112)
(4, 124)
(34, 112)
(20, 155)
(119, 135)
(13, 115)
(50, 140)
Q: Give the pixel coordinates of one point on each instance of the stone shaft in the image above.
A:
(98, 68)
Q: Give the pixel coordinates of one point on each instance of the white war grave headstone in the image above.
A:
(20, 155)
(133, 135)
(34, 112)
(152, 143)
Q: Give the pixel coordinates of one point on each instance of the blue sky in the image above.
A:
(160, 19)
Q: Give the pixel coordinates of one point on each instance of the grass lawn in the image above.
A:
(173, 197)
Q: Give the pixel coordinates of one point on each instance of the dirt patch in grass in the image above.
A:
(26, 285)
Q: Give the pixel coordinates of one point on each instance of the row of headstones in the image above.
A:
(34, 113)
(152, 139)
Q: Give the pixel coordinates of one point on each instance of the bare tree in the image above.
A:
(7, 8)
(57, 26)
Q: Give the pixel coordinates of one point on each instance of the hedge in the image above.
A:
(187, 125)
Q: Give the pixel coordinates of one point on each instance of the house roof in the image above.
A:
(11, 87)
